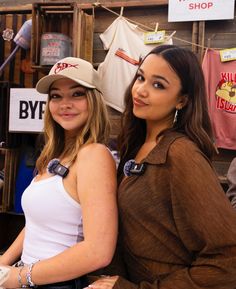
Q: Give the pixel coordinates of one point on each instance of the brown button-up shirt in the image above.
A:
(177, 227)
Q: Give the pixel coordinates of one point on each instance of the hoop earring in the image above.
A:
(176, 116)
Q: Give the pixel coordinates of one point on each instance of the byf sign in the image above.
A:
(26, 110)
(31, 109)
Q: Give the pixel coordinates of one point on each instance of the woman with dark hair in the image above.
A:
(177, 227)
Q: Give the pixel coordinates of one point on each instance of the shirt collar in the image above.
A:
(158, 154)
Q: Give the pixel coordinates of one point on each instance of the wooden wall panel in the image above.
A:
(220, 34)
(85, 3)
(18, 70)
(84, 37)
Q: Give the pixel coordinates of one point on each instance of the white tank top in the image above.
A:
(53, 220)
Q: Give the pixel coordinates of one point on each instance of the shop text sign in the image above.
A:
(27, 108)
(197, 10)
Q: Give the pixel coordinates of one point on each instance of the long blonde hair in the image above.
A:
(96, 130)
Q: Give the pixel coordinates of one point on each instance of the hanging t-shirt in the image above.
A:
(220, 80)
(125, 42)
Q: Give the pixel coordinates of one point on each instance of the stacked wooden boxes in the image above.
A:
(18, 70)
(65, 18)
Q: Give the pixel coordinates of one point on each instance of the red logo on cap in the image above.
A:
(61, 66)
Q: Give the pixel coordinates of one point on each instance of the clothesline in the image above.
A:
(98, 4)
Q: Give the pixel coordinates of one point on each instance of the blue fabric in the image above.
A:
(23, 179)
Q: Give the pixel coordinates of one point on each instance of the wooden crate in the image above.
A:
(8, 163)
(65, 18)
(18, 70)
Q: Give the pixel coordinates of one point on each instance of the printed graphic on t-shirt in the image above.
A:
(226, 92)
(123, 54)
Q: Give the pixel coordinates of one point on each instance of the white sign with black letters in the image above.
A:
(26, 110)
(197, 10)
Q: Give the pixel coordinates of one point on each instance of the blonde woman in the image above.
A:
(70, 206)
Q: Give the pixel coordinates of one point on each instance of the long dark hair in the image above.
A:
(193, 119)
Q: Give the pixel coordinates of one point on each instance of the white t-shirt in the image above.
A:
(125, 42)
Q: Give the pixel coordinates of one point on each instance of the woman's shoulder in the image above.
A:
(93, 147)
(179, 144)
(174, 143)
(171, 145)
(185, 150)
(94, 150)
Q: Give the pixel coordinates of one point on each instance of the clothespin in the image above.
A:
(96, 4)
(93, 10)
(170, 36)
(156, 28)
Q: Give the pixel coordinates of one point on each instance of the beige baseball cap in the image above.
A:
(73, 68)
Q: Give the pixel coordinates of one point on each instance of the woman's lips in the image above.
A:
(138, 102)
(67, 115)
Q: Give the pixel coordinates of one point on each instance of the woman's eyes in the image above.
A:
(155, 84)
(158, 85)
(74, 94)
(79, 93)
(139, 77)
(54, 96)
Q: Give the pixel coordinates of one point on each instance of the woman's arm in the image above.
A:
(96, 185)
(13, 253)
(205, 221)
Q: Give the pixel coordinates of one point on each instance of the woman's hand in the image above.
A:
(4, 274)
(12, 279)
(106, 282)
